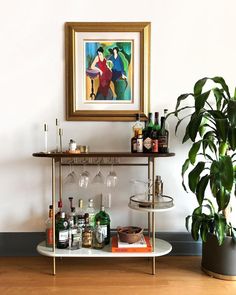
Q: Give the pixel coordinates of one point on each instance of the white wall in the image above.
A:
(190, 39)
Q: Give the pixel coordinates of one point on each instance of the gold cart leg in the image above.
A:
(53, 212)
(153, 265)
(153, 215)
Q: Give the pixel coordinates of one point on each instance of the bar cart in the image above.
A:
(159, 247)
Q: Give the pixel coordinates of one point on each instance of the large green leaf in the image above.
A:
(222, 198)
(232, 137)
(201, 187)
(198, 86)
(232, 112)
(217, 114)
(196, 223)
(179, 122)
(194, 176)
(180, 98)
(186, 135)
(204, 230)
(220, 225)
(193, 151)
(184, 169)
(227, 172)
(194, 124)
(200, 100)
(218, 93)
(221, 81)
(222, 127)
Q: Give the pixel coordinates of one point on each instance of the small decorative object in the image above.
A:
(84, 149)
(72, 146)
(130, 234)
(108, 70)
(57, 135)
(60, 137)
(45, 128)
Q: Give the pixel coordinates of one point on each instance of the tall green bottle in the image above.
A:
(105, 221)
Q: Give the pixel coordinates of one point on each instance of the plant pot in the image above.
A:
(219, 261)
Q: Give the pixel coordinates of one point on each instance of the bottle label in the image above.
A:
(104, 230)
(162, 141)
(63, 235)
(139, 145)
(80, 221)
(148, 143)
(135, 146)
(155, 146)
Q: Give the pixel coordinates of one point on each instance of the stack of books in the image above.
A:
(141, 246)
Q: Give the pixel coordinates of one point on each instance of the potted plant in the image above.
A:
(211, 171)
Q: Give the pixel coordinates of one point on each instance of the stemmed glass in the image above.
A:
(111, 179)
(99, 178)
(71, 177)
(84, 178)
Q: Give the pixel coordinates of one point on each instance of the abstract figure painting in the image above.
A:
(107, 71)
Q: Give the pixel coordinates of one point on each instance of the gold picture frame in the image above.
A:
(107, 70)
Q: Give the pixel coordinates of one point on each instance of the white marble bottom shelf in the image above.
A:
(161, 248)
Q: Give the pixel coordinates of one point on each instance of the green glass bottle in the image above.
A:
(105, 221)
(62, 232)
(155, 132)
(147, 135)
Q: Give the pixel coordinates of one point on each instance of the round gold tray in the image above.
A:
(145, 201)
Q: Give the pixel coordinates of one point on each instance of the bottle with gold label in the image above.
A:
(87, 235)
(147, 135)
(98, 237)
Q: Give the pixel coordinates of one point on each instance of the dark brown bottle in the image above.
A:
(134, 141)
(163, 138)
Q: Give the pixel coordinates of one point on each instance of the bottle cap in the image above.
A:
(140, 132)
(63, 214)
(102, 208)
(51, 207)
(80, 203)
(59, 204)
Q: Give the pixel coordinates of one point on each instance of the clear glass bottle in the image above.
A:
(62, 232)
(98, 237)
(49, 228)
(91, 211)
(138, 124)
(75, 233)
(105, 221)
(87, 234)
(80, 214)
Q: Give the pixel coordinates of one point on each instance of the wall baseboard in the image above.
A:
(24, 243)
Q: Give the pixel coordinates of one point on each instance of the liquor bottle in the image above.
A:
(62, 232)
(167, 127)
(75, 233)
(104, 219)
(49, 229)
(139, 144)
(147, 137)
(91, 212)
(98, 237)
(58, 214)
(163, 137)
(137, 125)
(155, 132)
(80, 214)
(134, 141)
(87, 234)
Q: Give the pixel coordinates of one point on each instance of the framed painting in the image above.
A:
(107, 71)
